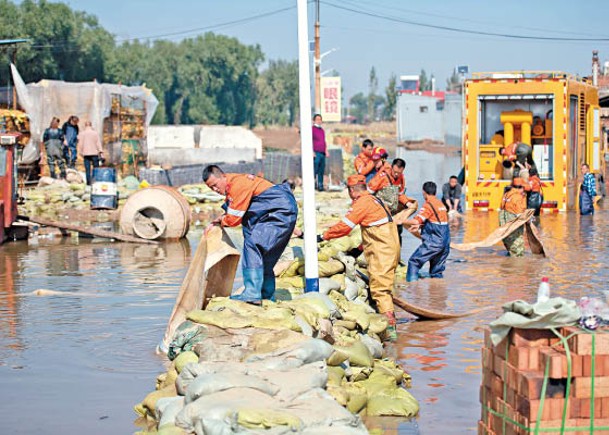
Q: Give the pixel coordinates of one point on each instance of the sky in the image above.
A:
(362, 39)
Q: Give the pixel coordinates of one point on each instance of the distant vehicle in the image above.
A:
(556, 113)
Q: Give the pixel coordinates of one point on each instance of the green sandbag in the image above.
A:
(170, 429)
(185, 358)
(276, 318)
(288, 282)
(358, 354)
(335, 375)
(378, 323)
(348, 324)
(339, 394)
(292, 269)
(390, 368)
(167, 379)
(396, 402)
(337, 358)
(148, 405)
(221, 319)
(358, 398)
(357, 374)
(267, 418)
(378, 382)
(239, 307)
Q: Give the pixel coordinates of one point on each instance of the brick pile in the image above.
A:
(513, 374)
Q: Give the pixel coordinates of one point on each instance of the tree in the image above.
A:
(453, 83)
(277, 94)
(358, 106)
(372, 88)
(390, 99)
(423, 81)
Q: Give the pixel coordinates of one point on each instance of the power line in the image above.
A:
(447, 17)
(182, 32)
(460, 30)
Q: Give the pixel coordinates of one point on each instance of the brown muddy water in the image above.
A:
(76, 362)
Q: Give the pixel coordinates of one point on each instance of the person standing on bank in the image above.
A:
(321, 151)
(587, 192)
(268, 215)
(53, 143)
(90, 148)
(70, 140)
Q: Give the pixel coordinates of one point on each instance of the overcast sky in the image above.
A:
(364, 39)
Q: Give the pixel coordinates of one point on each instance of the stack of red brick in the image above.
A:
(513, 376)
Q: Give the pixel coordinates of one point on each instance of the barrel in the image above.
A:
(104, 192)
(157, 212)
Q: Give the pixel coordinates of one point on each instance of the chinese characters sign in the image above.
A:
(330, 99)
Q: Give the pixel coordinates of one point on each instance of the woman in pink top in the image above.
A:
(90, 148)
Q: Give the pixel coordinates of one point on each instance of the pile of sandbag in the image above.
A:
(304, 365)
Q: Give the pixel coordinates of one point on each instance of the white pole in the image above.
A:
(306, 140)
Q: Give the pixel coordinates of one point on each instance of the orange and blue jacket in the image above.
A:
(240, 190)
(433, 211)
(384, 178)
(514, 201)
(363, 164)
(366, 211)
(510, 152)
(534, 184)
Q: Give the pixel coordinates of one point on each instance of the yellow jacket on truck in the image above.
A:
(555, 113)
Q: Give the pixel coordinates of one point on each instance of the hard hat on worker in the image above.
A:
(379, 153)
(354, 180)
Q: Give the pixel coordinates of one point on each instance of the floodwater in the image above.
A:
(77, 362)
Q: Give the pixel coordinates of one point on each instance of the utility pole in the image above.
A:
(317, 61)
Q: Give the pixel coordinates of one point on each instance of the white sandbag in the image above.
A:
(326, 285)
(302, 353)
(318, 409)
(295, 382)
(375, 347)
(206, 384)
(351, 289)
(336, 429)
(167, 408)
(212, 410)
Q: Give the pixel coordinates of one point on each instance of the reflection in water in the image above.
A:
(89, 351)
(444, 357)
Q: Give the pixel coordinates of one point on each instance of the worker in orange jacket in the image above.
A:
(391, 175)
(514, 203)
(268, 215)
(380, 242)
(363, 162)
(432, 220)
(534, 191)
(520, 154)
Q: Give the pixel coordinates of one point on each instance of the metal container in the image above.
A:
(104, 192)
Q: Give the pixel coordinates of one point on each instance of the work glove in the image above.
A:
(319, 238)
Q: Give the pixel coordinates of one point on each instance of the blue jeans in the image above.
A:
(69, 153)
(320, 168)
(90, 160)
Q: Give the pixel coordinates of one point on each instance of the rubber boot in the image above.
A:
(412, 275)
(252, 280)
(268, 287)
(392, 333)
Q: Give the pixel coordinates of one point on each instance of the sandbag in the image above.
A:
(207, 384)
(186, 337)
(305, 352)
(358, 398)
(396, 402)
(375, 347)
(237, 307)
(357, 354)
(256, 418)
(295, 382)
(167, 408)
(390, 368)
(221, 319)
(185, 358)
(148, 405)
(289, 282)
(166, 379)
(335, 375)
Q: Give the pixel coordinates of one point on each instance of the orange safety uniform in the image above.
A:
(363, 164)
(509, 152)
(381, 245)
(240, 189)
(383, 178)
(427, 212)
(514, 201)
(534, 184)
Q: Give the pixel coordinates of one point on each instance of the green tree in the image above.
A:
(373, 84)
(390, 99)
(424, 82)
(358, 106)
(453, 83)
(277, 94)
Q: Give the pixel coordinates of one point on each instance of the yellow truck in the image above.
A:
(556, 113)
